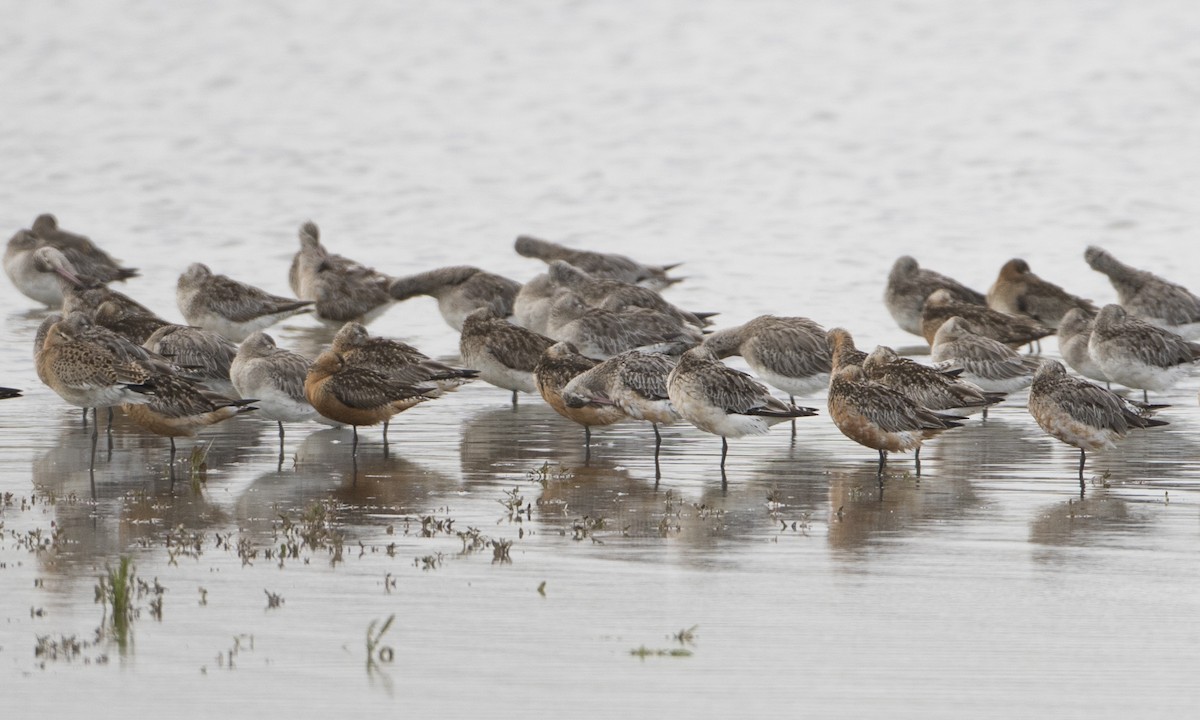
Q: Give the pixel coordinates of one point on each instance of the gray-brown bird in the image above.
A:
(1018, 291)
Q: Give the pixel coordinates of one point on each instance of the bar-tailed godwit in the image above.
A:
(275, 377)
(988, 363)
(926, 386)
(179, 408)
(1079, 413)
(1146, 295)
(341, 288)
(460, 290)
(726, 402)
(909, 285)
(558, 366)
(1137, 354)
(504, 354)
(635, 382)
(1012, 330)
(1074, 335)
(878, 417)
(1018, 291)
(228, 307)
(609, 265)
(599, 333)
(356, 395)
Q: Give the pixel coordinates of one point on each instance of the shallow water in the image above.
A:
(788, 153)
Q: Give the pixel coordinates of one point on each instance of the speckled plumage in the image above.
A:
(616, 295)
(504, 354)
(604, 265)
(340, 288)
(204, 356)
(1148, 296)
(790, 353)
(1018, 291)
(356, 395)
(908, 286)
(1012, 330)
(179, 408)
(988, 363)
(879, 417)
(85, 255)
(1137, 354)
(600, 334)
(926, 386)
(274, 375)
(460, 290)
(135, 326)
(228, 307)
(399, 361)
(87, 374)
(726, 402)
(634, 381)
(842, 351)
(557, 367)
(1079, 413)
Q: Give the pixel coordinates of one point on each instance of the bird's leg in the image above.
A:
(587, 444)
(792, 400)
(985, 409)
(724, 452)
(85, 418)
(1145, 397)
(280, 466)
(385, 442)
(1082, 460)
(514, 400)
(354, 446)
(882, 463)
(917, 457)
(172, 451)
(95, 424)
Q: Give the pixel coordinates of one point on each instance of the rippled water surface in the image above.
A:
(787, 152)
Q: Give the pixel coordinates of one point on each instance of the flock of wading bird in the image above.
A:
(595, 338)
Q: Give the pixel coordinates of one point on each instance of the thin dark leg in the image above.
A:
(172, 450)
(724, 451)
(385, 442)
(657, 448)
(1082, 460)
(110, 420)
(917, 457)
(587, 444)
(280, 465)
(1145, 397)
(792, 400)
(882, 463)
(985, 407)
(95, 424)
(354, 446)
(514, 399)
(85, 418)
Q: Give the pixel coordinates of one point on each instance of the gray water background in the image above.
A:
(787, 152)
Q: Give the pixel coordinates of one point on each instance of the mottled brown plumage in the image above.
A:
(926, 386)
(558, 366)
(504, 354)
(1012, 330)
(356, 395)
(342, 289)
(1149, 296)
(604, 265)
(228, 307)
(1079, 413)
(399, 361)
(459, 290)
(909, 285)
(1018, 291)
(878, 417)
